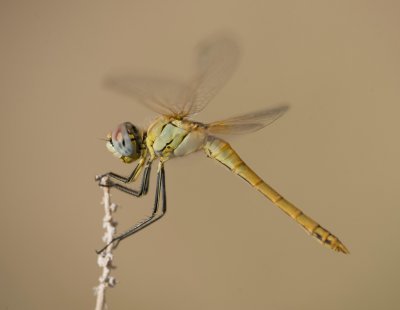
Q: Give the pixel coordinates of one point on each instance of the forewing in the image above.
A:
(164, 96)
(217, 59)
(248, 122)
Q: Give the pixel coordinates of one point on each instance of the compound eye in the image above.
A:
(122, 141)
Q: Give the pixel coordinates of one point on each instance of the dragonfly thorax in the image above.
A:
(170, 137)
(125, 142)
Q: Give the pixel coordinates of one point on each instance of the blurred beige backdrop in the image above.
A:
(221, 245)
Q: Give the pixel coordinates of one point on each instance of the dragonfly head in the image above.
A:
(125, 142)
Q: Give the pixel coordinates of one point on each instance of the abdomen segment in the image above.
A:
(223, 152)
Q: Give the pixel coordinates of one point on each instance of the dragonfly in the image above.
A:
(174, 134)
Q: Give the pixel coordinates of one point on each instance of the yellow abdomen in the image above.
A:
(223, 152)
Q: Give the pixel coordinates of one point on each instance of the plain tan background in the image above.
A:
(221, 245)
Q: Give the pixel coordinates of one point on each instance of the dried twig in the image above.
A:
(105, 258)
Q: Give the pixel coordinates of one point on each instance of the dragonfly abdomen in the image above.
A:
(224, 153)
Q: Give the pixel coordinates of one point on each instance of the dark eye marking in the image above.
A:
(123, 142)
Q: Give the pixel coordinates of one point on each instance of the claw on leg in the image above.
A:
(104, 181)
(116, 241)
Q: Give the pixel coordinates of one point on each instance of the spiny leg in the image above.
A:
(145, 180)
(143, 188)
(160, 193)
(135, 173)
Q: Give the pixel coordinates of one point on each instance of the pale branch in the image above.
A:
(105, 258)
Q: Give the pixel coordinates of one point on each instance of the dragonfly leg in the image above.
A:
(132, 177)
(145, 180)
(155, 216)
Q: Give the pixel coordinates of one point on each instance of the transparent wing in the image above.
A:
(216, 60)
(161, 95)
(248, 122)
